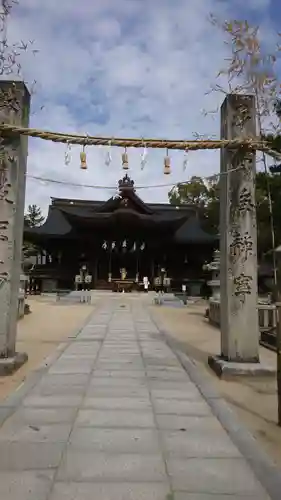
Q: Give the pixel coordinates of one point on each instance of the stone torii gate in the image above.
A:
(239, 322)
(14, 109)
(238, 245)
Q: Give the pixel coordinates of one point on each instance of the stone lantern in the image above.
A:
(214, 282)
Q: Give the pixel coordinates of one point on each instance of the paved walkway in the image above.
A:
(116, 417)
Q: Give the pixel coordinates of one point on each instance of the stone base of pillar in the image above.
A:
(13, 363)
(231, 369)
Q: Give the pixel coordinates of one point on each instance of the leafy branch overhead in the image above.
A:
(10, 53)
(250, 68)
(206, 199)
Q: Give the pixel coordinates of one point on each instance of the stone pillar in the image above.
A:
(14, 109)
(238, 237)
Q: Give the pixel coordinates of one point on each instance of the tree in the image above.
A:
(194, 192)
(10, 53)
(34, 216)
(206, 198)
(201, 194)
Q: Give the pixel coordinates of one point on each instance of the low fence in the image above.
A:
(21, 304)
(266, 313)
(81, 296)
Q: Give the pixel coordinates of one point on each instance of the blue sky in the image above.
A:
(131, 68)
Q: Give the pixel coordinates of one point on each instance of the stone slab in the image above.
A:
(117, 392)
(116, 382)
(120, 374)
(151, 362)
(66, 368)
(53, 401)
(84, 465)
(266, 471)
(121, 403)
(127, 363)
(115, 418)
(179, 407)
(25, 485)
(15, 456)
(5, 412)
(191, 392)
(18, 431)
(64, 380)
(139, 367)
(42, 390)
(82, 347)
(172, 385)
(228, 369)
(231, 476)
(168, 369)
(199, 443)
(86, 337)
(41, 416)
(187, 422)
(115, 440)
(206, 496)
(167, 375)
(13, 363)
(110, 491)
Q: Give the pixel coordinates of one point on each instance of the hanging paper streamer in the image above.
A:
(108, 157)
(167, 164)
(185, 160)
(67, 154)
(125, 160)
(144, 157)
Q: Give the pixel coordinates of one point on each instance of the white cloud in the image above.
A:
(132, 68)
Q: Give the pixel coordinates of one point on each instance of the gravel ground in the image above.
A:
(40, 333)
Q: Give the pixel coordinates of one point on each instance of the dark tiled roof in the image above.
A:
(66, 214)
(56, 224)
(192, 232)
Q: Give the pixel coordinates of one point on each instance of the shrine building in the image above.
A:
(121, 239)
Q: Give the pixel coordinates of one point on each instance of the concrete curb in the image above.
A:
(263, 467)
(11, 402)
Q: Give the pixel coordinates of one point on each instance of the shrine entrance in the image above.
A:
(130, 257)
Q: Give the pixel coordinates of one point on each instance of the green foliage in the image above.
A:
(194, 193)
(201, 195)
(277, 107)
(206, 199)
(34, 216)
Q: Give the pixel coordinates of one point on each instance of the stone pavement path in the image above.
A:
(116, 417)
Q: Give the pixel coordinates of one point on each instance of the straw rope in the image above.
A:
(253, 144)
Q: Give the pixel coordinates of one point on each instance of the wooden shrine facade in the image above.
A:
(120, 239)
